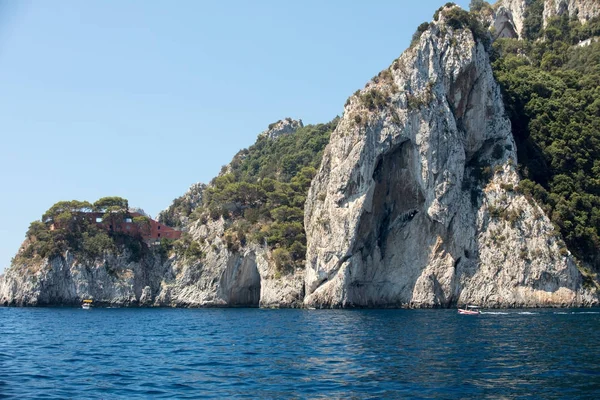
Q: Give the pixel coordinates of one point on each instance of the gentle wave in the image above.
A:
(236, 353)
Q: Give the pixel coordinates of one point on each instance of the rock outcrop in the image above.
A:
(508, 18)
(415, 203)
(284, 126)
(503, 25)
(218, 277)
(583, 10)
(228, 276)
(114, 280)
(217, 274)
(177, 214)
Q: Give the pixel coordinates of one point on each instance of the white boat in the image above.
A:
(469, 310)
(87, 304)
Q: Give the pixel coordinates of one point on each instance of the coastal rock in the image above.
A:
(226, 276)
(415, 202)
(65, 280)
(286, 126)
(221, 277)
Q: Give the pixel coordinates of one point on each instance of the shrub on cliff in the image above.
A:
(551, 92)
(263, 191)
(64, 227)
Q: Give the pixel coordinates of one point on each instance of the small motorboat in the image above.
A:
(87, 304)
(469, 310)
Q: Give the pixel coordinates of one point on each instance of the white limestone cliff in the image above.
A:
(416, 204)
(113, 280)
(284, 126)
(228, 275)
(415, 201)
(583, 10)
(221, 277)
(509, 15)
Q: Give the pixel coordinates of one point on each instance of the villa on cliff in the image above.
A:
(132, 223)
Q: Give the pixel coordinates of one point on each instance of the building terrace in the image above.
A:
(130, 223)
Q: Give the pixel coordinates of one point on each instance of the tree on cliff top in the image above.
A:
(113, 202)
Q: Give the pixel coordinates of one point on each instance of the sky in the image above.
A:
(141, 99)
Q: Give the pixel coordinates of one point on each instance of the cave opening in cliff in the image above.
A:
(242, 283)
(397, 198)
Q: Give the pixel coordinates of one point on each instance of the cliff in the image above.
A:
(214, 264)
(416, 202)
(113, 280)
(509, 17)
(412, 199)
(583, 10)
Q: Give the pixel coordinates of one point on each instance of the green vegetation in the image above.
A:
(65, 227)
(551, 91)
(457, 18)
(374, 99)
(478, 5)
(262, 196)
(170, 216)
(417, 35)
(436, 15)
(532, 25)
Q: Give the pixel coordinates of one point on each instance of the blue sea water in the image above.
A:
(254, 353)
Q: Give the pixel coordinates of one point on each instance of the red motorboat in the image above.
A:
(469, 310)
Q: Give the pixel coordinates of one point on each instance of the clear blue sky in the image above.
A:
(140, 99)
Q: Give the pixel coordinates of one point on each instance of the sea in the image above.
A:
(103, 353)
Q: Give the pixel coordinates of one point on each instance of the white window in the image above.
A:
(98, 219)
(128, 220)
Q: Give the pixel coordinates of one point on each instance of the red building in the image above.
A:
(132, 223)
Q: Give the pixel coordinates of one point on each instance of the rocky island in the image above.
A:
(466, 172)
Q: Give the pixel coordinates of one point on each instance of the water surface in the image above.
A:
(254, 353)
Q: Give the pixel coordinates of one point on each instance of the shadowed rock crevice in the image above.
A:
(396, 200)
(240, 283)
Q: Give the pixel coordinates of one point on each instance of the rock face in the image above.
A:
(503, 25)
(415, 202)
(285, 126)
(113, 280)
(509, 17)
(221, 277)
(584, 10)
(177, 214)
(226, 276)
